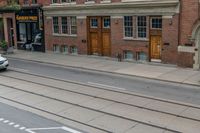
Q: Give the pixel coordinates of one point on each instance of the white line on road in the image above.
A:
(48, 128)
(11, 123)
(16, 126)
(1, 119)
(70, 130)
(5, 121)
(22, 128)
(19, 69)
(108, 86)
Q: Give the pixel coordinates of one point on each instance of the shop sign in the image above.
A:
(26, 18)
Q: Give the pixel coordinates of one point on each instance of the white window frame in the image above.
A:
(137, 27)
(124, 28)
(151, 23)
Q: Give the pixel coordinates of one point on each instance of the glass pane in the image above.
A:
(93, 22)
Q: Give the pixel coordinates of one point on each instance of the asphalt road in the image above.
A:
(13, 120)
(167, 90)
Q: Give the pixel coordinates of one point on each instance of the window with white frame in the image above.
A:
(141, 27)
(128, 26)
(54, 1)
(64, 49)
(64, 25)
(73, 25)
(156, 23)
(141, 56)
(106, 22)
(128, 55)
(94, 23)
(73, 50)
(55, 25)
(56, 48)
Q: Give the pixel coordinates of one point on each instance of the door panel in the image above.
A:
(156, 47)
(94, 43)
(106, 44)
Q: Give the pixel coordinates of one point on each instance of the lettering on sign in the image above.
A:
(26, 18)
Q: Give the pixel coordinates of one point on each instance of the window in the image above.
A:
(141, 56)
(73, 25)
(73, 50)
(68, 1)
(56, 48)
(156, 23)
(54, 1)
(128, 26)
(64, 49)
(64, 25)
(106, 22)
(34, 1)
(55, 25)
(26, 2)
(128, 55)
(93, 23)
(141, 27)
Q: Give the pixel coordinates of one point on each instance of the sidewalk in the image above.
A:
(152, 71)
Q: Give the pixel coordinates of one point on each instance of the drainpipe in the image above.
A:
(179, 23)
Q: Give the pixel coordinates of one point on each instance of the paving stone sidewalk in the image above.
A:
(148, 70)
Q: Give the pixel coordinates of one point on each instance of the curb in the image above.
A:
(89, 69)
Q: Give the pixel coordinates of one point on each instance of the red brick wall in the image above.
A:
(118, 44)
(189, 15)
(170, 39)
(77, 41)
(186, 59)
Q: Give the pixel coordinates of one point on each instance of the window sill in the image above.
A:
(70, 3)
(64, 35)
(105, 1)
(135, 39)
(90, 2)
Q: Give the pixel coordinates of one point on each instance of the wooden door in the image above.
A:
(156, 47)
(106, 45)
(99, 36)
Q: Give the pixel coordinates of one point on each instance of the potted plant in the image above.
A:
(3, 45)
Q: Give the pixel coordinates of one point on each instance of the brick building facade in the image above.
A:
(164, 31)
(7, 22)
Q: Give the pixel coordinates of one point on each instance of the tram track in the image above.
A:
(94, 96)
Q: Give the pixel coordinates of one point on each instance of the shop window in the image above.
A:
(56, 48)
(64, 49)
(73, 50)
(128, 26)
(141, 56)
(55, 25)
(156, 23)
(141, 26)
(128, 55)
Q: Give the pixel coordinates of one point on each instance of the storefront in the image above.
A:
(29, 21)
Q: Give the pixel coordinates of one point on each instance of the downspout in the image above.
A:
(179, 23)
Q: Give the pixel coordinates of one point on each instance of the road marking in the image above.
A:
(5, 121)
(11, 123)
(70, 130)
(32, 130)
(18, 69)
(108, 86)
(16, 126)
(22, 128)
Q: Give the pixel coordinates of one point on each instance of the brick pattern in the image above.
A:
(170, 40)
